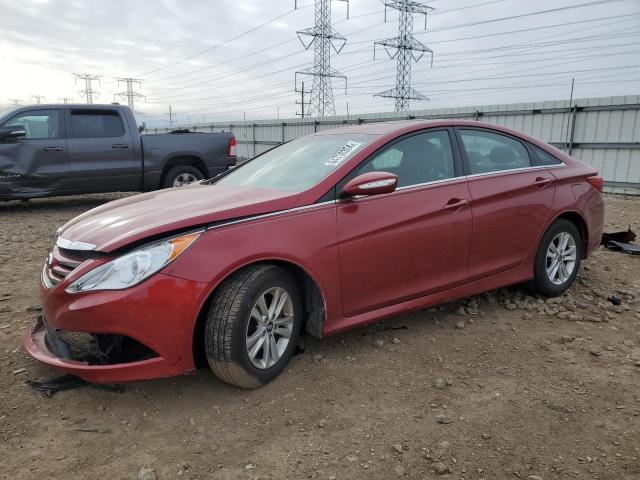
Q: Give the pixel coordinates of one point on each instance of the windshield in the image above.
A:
(5, 113)
(297, 165)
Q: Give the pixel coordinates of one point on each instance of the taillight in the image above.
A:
(232, 147)
(597, 181)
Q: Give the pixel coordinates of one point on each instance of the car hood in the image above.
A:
(121, 222)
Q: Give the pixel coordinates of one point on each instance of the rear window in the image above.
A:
(96, 124)
(299, 164)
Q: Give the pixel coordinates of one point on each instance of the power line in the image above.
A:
(89, 93)
(323, 37)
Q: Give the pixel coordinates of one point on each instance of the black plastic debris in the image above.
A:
(49, 387)
(615, 300)
(621, 241)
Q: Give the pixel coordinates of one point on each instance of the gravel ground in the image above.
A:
(499, 386)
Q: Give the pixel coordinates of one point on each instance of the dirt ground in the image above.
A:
(500, 386)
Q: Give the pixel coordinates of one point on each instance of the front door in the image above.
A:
(35, 164)
(413, 241)
(511, 200)
(101, 152)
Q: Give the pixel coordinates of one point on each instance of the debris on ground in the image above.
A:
(621, 241)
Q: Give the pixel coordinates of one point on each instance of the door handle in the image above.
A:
(541, 182)
(119, 145)
(456, 203)
(52, 149)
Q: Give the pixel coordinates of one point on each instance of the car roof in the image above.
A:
(402, 126)
(44, 106)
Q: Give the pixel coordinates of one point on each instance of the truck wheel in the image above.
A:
(253, 326)
(182, 175)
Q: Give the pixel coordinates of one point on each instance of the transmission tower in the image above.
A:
(89, 93)
(405, 49)
(129, 94)
(38, 99)
(323, 38)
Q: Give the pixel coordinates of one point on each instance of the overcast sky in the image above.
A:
(224, 59)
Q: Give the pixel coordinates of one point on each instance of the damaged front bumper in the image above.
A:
(119, 336)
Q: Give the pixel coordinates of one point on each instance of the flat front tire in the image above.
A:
(558, 258)
(253, 325)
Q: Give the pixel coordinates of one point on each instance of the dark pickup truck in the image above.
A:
(49, 150)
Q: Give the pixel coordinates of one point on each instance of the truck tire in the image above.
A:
(181, 175)
(253, 325)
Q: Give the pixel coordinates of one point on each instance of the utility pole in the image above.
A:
(129, 95)
(323, 38)
(566, 136)
(405, 49)
(302, 102)
(89, 93)
(64, 100)
(38, 99)
(171, 120)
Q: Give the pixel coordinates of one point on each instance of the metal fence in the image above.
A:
(604, 132)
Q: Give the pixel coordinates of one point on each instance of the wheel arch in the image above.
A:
(186, 159)
(313, 299)
(578, 220)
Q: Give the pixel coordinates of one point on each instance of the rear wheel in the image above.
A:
(182, 175)
(558, 258)
(253, 326)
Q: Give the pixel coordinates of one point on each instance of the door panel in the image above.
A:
(509, 211)
(511, 199)
(403, 245)
(101, 152)
(35, 164)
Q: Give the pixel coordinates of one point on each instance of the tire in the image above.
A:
(187, 173)
(556, 281)
(230, 326)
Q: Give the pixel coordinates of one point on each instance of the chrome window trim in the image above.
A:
(62, 242)
(521, 169)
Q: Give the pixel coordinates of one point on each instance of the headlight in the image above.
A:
(134, 267)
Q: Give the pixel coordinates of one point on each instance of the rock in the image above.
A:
(486, 436)
(527, 316)
(460, 325)
(34, 308)
(595, 353)
(249, 466)
(461, 311)
(396, 340)
(440, 468)
(439, 383)
(147, 474)
(575, 317)
(637, 364)
(397, 448)
(566, 339)
(379, 343)
(317, 358)
(615, 300)
(443, 419)
(322, 423)
(351, 458)
(399, 470)
(20, 370)
(534, 477)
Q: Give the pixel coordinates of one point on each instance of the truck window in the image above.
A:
(39, 124)
(96, 124)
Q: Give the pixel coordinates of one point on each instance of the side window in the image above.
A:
(491, 152)
(425, 157)
(96, 124)
(543, 157)
(38, 124)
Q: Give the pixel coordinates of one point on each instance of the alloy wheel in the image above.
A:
(184, 179)
(561, 258)
(269, 328)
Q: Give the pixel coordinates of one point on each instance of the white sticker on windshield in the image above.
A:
(343, 153)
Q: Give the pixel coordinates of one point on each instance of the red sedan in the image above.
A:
(321, 234)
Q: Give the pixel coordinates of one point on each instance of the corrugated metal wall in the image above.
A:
(604, 132)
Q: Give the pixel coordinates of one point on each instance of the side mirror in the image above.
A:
(371, 183)
(14, 131)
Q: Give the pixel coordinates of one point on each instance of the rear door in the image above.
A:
(511, 199)
(413, 241)
(35, 164)
(101, 151)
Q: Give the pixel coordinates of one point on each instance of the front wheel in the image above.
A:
(558, 258)
(253, 326)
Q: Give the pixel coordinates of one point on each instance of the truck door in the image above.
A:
(35, 164)
(101, 151)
